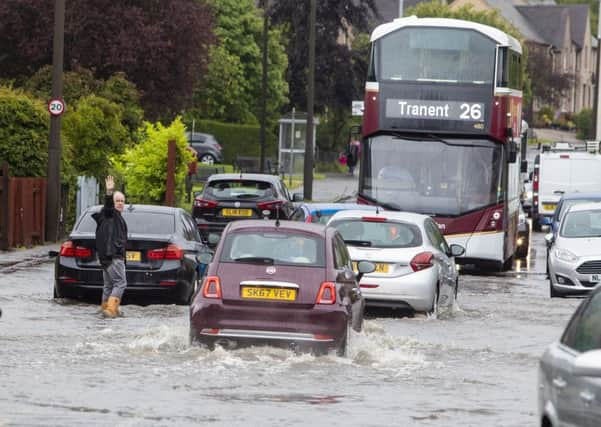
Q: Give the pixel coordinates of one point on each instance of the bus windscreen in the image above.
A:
(436, 177)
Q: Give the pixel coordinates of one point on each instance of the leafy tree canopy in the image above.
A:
(162, 46)
(231, 89)
(23, 133)
(93, 132)
(337, 21)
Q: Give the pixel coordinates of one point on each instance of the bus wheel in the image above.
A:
(507, 265)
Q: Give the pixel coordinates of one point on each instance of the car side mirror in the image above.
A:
(205, 258)
(549, 238)
(53, 254)
(298, 197)
(197, 194)
(588, 364)
(524, 166)
(513, 152)
(365, 267)
(456, 250)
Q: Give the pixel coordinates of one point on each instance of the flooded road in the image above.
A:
(62, 365)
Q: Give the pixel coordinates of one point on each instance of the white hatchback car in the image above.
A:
(574, 261)
(569, 380)
(415, 266)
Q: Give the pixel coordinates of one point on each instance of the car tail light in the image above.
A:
(373, 219)
(422, 261)
(310, 218)
(204, 203)
(170, 252)
(68, 249)
(369, 286)
(167, 283)
(270, 206)
(211, 287)
(535, 187)
(326, 294)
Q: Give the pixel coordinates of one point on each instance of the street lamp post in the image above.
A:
(53, 193)
(596, 109)
(262, 132)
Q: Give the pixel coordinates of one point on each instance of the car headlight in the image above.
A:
(565, 255)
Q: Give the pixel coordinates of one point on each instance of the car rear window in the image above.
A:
(239, 190)
(275, 248)
(357, 232)
(137, 222)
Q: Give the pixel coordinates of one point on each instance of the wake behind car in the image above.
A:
(415, 268)
(281, 283)
(228, 197)
(574, 256)
(163, 255)
(569, 376)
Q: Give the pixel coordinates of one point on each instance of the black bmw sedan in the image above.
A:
(165, 257)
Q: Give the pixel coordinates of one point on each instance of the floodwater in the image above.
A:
(62, 365)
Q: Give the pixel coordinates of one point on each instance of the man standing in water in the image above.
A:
(111, 240)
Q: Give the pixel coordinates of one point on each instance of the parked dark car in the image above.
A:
(164, 258)
(228, 197)
(281, 283)
(208, 150)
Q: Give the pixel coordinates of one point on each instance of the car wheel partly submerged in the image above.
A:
(342, 349)
(434, 310)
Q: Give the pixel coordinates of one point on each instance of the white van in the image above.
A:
(562, 171)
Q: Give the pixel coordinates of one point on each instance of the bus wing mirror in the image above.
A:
(524, 166)
(513, 151)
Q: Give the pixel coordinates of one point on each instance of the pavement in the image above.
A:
(334, 188)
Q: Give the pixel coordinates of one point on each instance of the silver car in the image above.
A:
(415, 267)
(574, 261)
(569, 378)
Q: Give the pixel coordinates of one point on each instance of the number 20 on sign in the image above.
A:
(56, 107)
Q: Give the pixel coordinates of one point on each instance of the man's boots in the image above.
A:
(103, 306)
(112, 308)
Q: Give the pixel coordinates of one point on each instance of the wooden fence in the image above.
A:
(22, 210)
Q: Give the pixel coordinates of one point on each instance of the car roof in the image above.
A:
(248, 176)
(285, 225)
(142, 208)
(580, 196)
(337, 206)
(394, 215)
(585, 207)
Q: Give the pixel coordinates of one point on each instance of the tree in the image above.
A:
(231, 88)
(93, 133)
(338, 21)
(23, 133)
(161, 46)
(549, 87)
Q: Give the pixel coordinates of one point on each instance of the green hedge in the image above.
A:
(24, 131)
(235, 139)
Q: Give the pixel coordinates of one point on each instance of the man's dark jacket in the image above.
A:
(111, 232)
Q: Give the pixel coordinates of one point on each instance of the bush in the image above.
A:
(584, 124)
(24, 130)
(143, 168)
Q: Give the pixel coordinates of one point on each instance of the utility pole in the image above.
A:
(596, 109)
(265, 5)
(53, 172)
(308, 175)
(400, 8)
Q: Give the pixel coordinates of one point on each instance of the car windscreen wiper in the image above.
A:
(364, 243)
(255, 260)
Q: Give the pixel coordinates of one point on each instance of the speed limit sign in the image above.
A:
(56, 107)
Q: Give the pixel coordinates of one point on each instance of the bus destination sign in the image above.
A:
(434, 110)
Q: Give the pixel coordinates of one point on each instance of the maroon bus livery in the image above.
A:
(442, 106)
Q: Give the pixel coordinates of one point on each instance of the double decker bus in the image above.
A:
(442, 106)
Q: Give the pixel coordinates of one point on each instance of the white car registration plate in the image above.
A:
(595, 278)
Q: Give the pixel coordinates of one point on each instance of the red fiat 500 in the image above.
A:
(279, 283)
